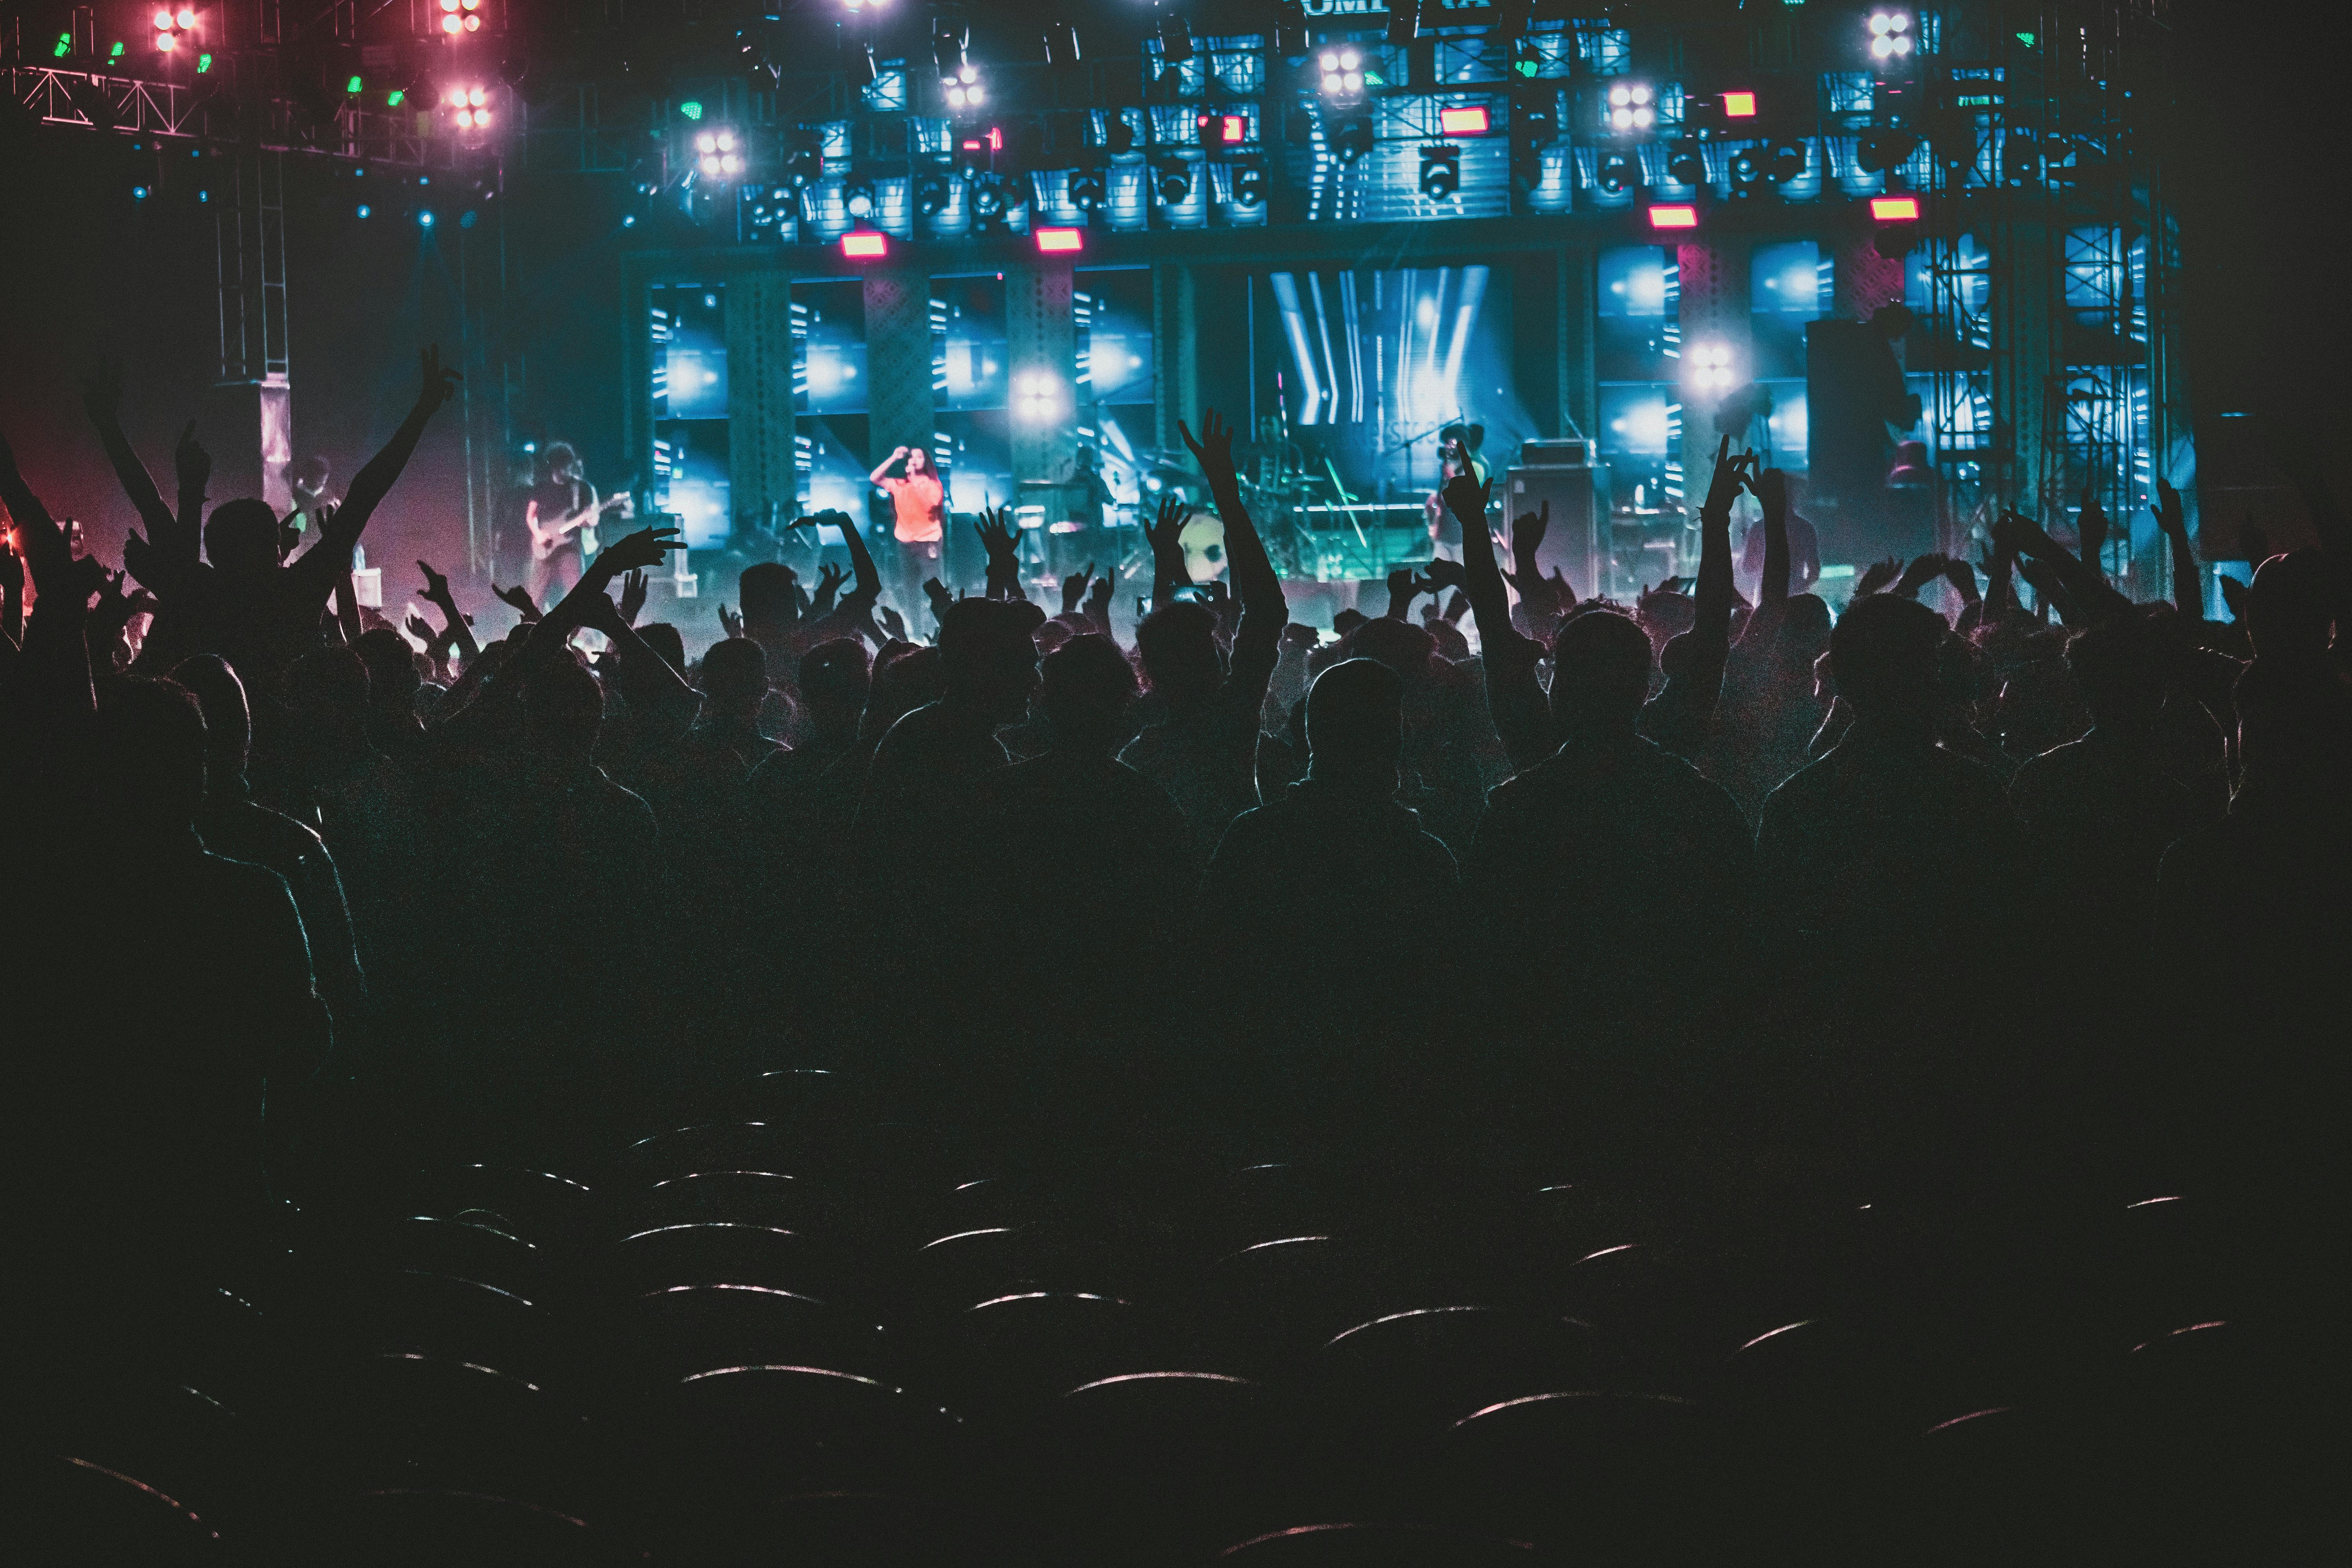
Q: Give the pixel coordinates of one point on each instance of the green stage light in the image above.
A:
(355, 84)
(394, 99)
(691, 108)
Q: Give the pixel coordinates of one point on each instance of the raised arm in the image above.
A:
(54, 670)
(646, 547)
(101, 399)
(1166, 554)
(2187, 585)
(1265, 611)
(192, 465)
(898, 455)
(1002, 542)
(455, 627)
(1772, 591)
(373, 483)
(1514, 695)
(2089, 588)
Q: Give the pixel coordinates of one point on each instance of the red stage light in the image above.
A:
(1680, 214)
(1894, 209)
(1469, 122)
(1739, 106)
(996, 139)
(1061, 241)
(865, 243)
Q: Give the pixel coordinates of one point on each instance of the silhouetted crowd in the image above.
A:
(1974, 915)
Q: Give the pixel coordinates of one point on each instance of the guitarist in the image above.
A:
(554, 512)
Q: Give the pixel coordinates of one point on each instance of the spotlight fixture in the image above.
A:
(1616, 174)
(174, 27)
(1441, 172)
(468, 106)
(1747, 169)
(1633, 106)
(960, 80)
(1351, 138)
(930, 192)
(461, 17)
(987, 198)
(1089, 186)
(1341, 71)
(1785, 161)
(1883, 148)
(1249, 182)
(857, 199)
(717, 155)
(1890, 35)
(1710, 368)
(1172, 178)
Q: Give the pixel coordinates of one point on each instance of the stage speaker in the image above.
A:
(1573, 543)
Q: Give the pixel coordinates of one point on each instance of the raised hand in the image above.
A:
(1098, 598)
(2171, 516)
(936, 595)
(437, 587)
(1877, 575)
(1404, 588)
(190, 461)
(2091, 524)
(12, 567)
(730, 623)
(1922, 570)
(1731, 476)
(633, 597)
(1162, 532)
(646, 547)
(1213, 449)
(996, 536)
(1962, 575)
(893, 622)
(422, 631)
(1074, 589)
(1528, 530)
(1444, 574)
(2020, 534)
(1465, 498)
(439, 380)
(519, 597)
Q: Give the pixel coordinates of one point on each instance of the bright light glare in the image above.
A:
(465, 118)
(1739, 105)
(1331, 81)
(476, 97)
(1621, 119)
(1643, 118)
(163, 19)
(1329, 62)
(727, 141)
(706, 142)
(1710, 367)
(1894, 209)
(1350, 60)
(1641, 95)
(1620, 95)
(1353, 81)
(865, 243)
(166, 42)
(1680, 215)
(1059, 241)
(730, 164)
(451, 24)
(710, 163)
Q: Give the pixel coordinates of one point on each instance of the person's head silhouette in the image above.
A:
(241, 537)
(765, 593)
(833, 681)
(1178, 643)
(735, 678)
(1601, 674)
(1882, 655)
(988, 658)
(1088, 691)
(393, 679)
(2290, 606)
(1355, 727)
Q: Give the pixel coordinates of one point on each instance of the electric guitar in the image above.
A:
(547, 538)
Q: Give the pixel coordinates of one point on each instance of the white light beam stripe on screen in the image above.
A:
(1351, 329)
(1323, 334)
(1465, 313)
(1293, 327)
